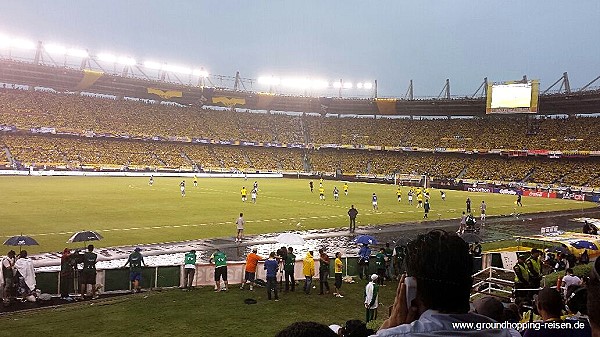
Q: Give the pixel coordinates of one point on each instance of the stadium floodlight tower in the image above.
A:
(564, 83)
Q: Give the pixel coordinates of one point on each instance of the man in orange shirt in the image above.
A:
(250, 274)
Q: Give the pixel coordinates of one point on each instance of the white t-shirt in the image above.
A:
(240, 223)
(6, 262)
(570, 280)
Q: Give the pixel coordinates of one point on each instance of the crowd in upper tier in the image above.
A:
(80, 114)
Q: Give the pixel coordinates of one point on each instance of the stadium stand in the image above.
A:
(123, 134)
(73, 113)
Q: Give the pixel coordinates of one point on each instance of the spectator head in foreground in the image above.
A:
(442, 266)
(439, 266)
(549, 304)
(355, 328)
(306, 329)
(593, 299)
(489, 307)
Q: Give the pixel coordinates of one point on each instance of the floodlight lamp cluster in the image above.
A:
(175, 68)
(122, 60)
(306, 83)
(17, 43)
(58, 49)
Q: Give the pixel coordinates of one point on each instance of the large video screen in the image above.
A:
(512, 97)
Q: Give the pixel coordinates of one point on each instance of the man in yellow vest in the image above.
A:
(534, 265)
(521, 276)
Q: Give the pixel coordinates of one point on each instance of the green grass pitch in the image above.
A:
(127, 211)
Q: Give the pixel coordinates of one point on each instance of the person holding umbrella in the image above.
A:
(88, 273)
(363, 261)
(67, 273)
(26, 272)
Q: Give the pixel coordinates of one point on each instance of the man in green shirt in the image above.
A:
(135, 262)
(220, 260)
(88, 273)
(189, 268)
(380, 263)
(290, 262)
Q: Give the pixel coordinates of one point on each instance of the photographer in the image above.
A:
(440, 266)
(363, 261)
(281, 256)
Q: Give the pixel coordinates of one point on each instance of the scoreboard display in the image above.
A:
(513, 97)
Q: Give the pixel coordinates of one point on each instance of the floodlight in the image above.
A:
(177, 69)
(55, 49)
(347, 85)
(269, 80)
(296, 83)
(302, 83)
(200, 73)
(22, 44)
(126, 61)
(78, 52)
(319, 84)
(368, 85)
(288, 82)
(359, 85)
(337, 84)
(4, 41)
(152, 65)
(107, 57)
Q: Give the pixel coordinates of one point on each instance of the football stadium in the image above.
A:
(144, 196)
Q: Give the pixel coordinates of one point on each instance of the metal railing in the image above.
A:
(493, 284)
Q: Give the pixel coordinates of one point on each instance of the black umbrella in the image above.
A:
(470, 238)
(559, 249)
(85, 236)
(20, 240)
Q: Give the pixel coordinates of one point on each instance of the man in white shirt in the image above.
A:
(240, 222)
(372, 298)
(568, 280)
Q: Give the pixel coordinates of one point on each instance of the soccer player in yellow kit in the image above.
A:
(244, 193)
